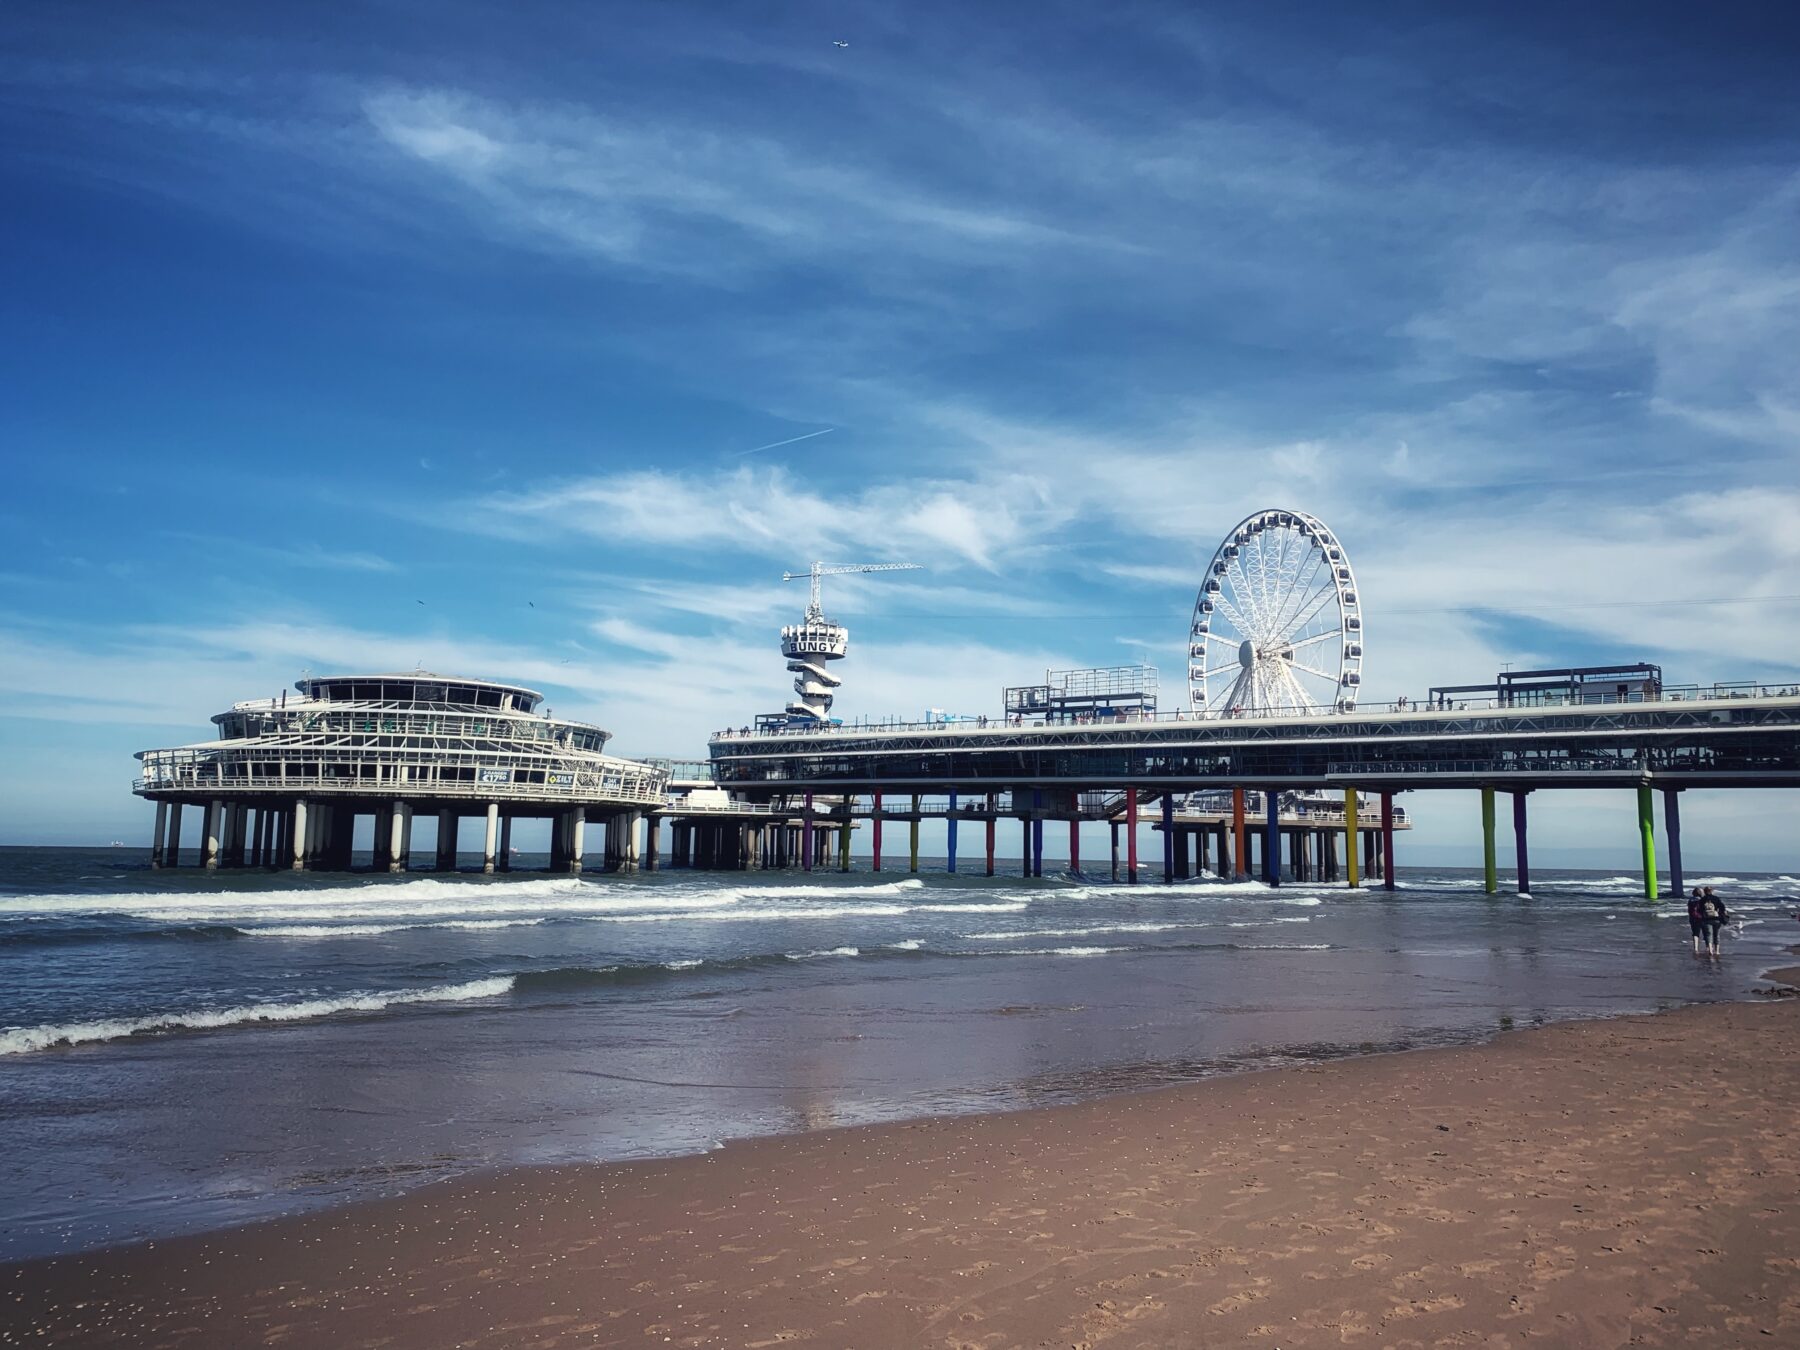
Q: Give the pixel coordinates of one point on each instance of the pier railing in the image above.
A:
(1670, 695)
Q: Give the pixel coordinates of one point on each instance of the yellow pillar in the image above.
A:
(1352, 840)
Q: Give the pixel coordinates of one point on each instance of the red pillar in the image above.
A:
(1237, 835)
(875, 832)
(1075, 846)
(1387, 841)
(1131, 835)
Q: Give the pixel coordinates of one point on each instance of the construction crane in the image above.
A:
(811, 645)
(814, 609)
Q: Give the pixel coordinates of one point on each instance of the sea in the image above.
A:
(182, 1050)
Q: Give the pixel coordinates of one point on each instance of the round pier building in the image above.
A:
(285, 780)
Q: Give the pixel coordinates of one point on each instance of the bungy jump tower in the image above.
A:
(286, 778)
(810, 644)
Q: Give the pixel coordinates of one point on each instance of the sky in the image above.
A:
(372, 336)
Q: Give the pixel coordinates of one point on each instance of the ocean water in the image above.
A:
(181, 1050)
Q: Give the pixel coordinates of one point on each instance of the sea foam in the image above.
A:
(22, 1040)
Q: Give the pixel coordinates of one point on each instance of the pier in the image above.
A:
(283, 784)
(1643, 738)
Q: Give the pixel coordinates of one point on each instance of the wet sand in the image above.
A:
(1596, 1184)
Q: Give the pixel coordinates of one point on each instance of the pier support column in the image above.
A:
(844, 844)
(1182, 851)
(259, 823)
(653, 840)
(1272, 836)
(1387, 841)
(1239, 861)
(633, 858)
(577, 838)
(297, 834)
(1352, 839)
(1025, 845)
(157, 832)
(875, 833)
(1672, 824)
(490, 839)
(950, 834)
(1168, 840)
(505, 862)
(1115, 849)
(1490, 881)
(1202, 846)
(1521, 844)
(913, 838)
(446, 841)
(806, 835)
(1075, 846)
(991, 824)
(396, 849)
(1647, 835)
(406, 824)
(209, 837)
(1131, 833)
(172, 844)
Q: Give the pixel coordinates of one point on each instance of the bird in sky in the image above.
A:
(836, 43)
(421, 602)
(532, 603)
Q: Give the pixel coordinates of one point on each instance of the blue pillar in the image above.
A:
(1272, 837)
(1168, 813)
(951, 844)
(1521, 846)
(1672, 820)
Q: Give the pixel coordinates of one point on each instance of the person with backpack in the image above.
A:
(1697, 920)
(1713, 911)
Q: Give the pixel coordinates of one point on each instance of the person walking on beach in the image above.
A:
(1697, 920)
(1714, 913)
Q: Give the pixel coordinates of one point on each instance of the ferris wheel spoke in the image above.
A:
(1219, 669)
(1305, 700)
(1314, 605)
(1302, 587)
(1316, 637)
(1231, 613)
(1310, 670)
(1243, 598)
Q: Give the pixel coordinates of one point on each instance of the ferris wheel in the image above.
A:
(1277, 627)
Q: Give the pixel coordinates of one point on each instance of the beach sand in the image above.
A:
(1628, 1182)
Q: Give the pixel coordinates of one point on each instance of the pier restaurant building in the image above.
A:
(286, 778)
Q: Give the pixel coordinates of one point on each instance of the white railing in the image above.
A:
(1670, 695)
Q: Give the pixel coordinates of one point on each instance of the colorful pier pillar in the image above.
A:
(1647, 836)
(806, 835)
(914, 864)
(1238, 855)
(1115, 849)
(875, 832)
(1490, 880)
(1168, 815)
(1131, 824)
(950, 844)
(1352, 839)
(990, 841)
(1272, 836)
(1672, 823)
(1521, 843)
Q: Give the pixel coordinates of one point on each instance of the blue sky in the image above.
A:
(318, 313)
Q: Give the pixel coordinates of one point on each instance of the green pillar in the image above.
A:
(1490, 879)
(1647, 833)
(915, 834)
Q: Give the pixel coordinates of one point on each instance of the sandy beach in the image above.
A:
(1634, 1181)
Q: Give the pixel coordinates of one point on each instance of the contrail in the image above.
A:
(773, 445)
